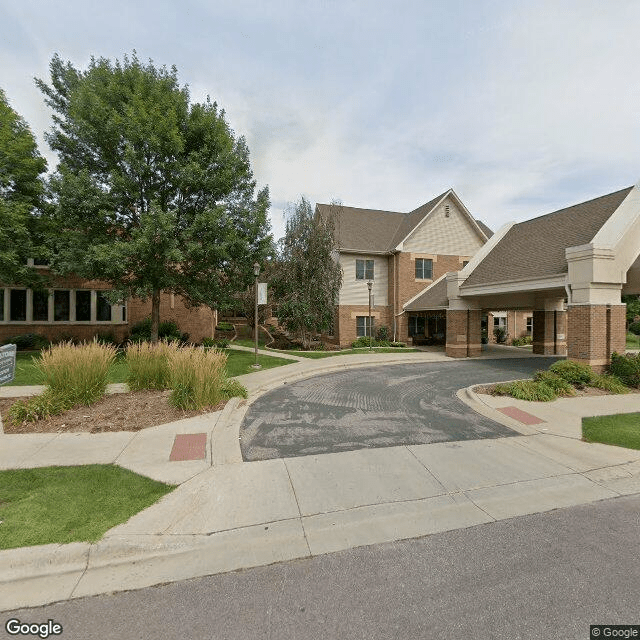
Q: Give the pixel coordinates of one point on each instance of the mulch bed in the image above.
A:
(580, 393)
(130, 411)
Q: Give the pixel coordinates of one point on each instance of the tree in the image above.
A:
(633, 307)
(21, 193)
(309, 278)
(153, 193)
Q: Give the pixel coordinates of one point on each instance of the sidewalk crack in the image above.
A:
(304, 531)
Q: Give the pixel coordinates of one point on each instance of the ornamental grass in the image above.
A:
(149, 365)
(197, 377)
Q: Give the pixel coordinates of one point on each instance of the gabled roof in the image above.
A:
(433, 297)
(536, 248)
(375, 231)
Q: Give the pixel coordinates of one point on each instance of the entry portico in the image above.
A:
(570, 267)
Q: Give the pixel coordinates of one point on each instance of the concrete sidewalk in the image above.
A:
(227, 514)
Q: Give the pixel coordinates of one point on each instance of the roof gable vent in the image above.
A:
(447, 211)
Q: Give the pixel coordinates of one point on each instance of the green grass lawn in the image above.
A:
(633, 341)
(238, 363)
(622, 430)
(70, 504)
(345, 352)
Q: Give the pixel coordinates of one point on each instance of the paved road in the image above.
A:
(536, 577)
(376, 407)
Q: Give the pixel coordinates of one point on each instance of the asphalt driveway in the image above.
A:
(376, 407)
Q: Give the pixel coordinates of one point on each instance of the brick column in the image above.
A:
(543, 332)
(594, 332)
(463, 333)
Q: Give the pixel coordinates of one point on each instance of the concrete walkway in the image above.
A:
(227, 514)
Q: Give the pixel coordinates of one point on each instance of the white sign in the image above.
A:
(7, 363)
(262, 293)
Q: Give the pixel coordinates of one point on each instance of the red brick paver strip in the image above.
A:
(189, 446)
(520, 416)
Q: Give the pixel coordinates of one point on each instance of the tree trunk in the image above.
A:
(155, 315)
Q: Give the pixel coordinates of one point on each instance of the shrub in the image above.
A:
(167, 330)
(559, 385)
(224, 326)
(573, 372)
(363, 341)
(232, 388)
(77, 373)
(106, 338)
(608, 383)
(634, 327)
(520, 342)
(626, 368)
(382, 333)
(500, 334)
(197, 377)
(28, 341)
(37, 407)
(149, 365)
(220, 343)
(531, 390)
(397, 344)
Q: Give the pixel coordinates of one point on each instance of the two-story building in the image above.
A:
(401, 254)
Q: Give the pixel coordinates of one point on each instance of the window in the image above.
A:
(61, 306)
(364, 269)
(362, 325)
(124, 313)
(530, 325)
(465, 263)
(416, 326)
(424, 269)
(499, 321)
(83, 306)
(1, 305)
(41, 306)
(103, 313)
(18, 305)
(40, 262)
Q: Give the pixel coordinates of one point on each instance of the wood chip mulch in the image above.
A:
(130, 411)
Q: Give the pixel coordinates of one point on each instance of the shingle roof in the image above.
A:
(487, 232)
(372, 230)
(433, 297)
(536, 248)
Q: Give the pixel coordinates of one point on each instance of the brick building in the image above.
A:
(570, 267)
(401, 254)
(75, 308)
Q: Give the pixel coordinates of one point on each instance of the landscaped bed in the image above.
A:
(70, 504)
(117, 412)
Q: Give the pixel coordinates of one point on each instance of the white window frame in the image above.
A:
(365, 269)
(365, 326)
(423, 262)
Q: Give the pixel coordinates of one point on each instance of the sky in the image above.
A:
(522, 107)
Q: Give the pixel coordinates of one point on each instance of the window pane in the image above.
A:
(360, 269)
(83, 306)
(18, 302)
(360, 330)
(124, 312)
(61, 306)
(419, 268)
(103, 313)
(369, 274)
(41, 306)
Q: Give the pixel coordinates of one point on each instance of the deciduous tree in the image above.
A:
(309, 276)
(21, 191)
(153, 192)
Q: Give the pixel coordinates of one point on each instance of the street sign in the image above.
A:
(262, 293)
(7, 363)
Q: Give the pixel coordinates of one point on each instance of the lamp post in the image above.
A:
(369, 286)
(256, 273)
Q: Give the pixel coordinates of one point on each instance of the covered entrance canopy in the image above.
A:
(570, 267)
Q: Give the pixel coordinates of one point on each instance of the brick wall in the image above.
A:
(594, 332)
(346, 331)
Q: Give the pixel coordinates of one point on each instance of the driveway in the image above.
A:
(376, 407)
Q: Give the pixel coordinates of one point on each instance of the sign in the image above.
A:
(262, 293)
(7, 363)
